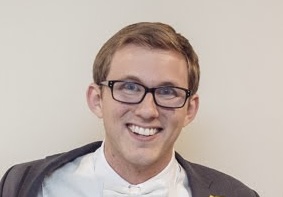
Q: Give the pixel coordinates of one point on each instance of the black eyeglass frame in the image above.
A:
(110, 84)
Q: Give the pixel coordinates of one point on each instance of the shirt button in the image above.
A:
(134, 190)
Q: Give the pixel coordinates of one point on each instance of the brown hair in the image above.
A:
(152, 35)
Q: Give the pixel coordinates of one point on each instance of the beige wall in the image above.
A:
(47, 49)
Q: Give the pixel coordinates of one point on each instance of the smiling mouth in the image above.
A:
(143, 131)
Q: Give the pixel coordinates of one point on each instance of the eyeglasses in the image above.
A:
(133, 93)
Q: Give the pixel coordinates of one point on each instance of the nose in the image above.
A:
(147, 109)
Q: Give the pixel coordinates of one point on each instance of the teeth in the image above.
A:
(143, 131)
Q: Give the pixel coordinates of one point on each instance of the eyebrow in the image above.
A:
(131, 78)
(138, 80)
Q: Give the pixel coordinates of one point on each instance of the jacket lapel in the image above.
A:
(199, 185)
(39, 170)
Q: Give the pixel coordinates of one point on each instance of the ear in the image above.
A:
(192, 109)
(94, 99)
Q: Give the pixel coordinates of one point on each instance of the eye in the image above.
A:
(166, 92)
(130, 86)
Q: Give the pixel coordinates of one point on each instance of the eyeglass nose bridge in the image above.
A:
(149, 90)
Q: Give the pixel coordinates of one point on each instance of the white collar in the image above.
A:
(162, 184)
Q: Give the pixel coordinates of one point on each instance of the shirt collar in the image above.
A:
(112, 182)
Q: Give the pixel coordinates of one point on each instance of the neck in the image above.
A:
(132, 172)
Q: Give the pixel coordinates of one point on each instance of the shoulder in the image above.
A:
(29, 175)
(14, 178)
(214, 181)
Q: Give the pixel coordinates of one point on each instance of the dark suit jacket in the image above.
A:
(24, 180)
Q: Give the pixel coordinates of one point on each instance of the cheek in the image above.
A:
(114, 110)
(178, 119)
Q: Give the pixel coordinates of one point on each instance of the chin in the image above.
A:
(144, 160)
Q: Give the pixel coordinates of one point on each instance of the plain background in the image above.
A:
(46, 54)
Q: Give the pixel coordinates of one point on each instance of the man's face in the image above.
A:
(152, 68)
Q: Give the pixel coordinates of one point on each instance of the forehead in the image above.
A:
(149, 66)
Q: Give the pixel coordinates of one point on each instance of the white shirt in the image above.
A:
(91, 176)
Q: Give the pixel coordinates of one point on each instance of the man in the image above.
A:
(145, 89)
